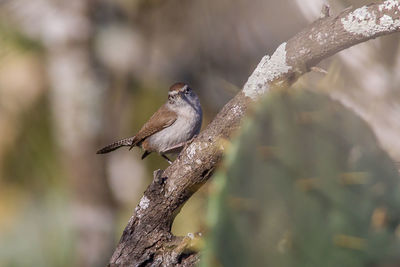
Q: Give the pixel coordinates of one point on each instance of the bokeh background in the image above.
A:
(78, 74)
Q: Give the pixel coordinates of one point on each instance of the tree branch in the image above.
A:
(147, 239)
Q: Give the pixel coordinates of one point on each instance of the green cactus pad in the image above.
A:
(304, 184)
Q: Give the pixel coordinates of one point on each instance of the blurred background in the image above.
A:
(76, 75)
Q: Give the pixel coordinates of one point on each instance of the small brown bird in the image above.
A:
(173, 124)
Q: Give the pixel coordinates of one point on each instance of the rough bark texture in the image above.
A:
(147, 239)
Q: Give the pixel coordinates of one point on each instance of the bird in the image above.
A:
(174, 124)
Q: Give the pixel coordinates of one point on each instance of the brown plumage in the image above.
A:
(177, 87)
(173, 124)
(116, 145)
(165, 117)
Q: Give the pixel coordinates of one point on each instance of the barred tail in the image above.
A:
(124, 142)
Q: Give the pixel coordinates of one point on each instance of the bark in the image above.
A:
(147, 239)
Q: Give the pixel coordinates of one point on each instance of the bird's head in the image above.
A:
(181, 94)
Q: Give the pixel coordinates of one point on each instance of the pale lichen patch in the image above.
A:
(188, 168)
(191, 151)
(144, 203)
(267, 70)
(364, 20)
(320, 39)
(237, 110)
(318, 36)
(387, 22)
(304, 51)
(389, 5)
(194, 148)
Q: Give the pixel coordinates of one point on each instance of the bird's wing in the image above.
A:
(163, 118)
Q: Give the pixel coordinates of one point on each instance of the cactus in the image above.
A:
(304, 184)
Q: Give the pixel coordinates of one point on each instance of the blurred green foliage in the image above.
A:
(40, 234)
(33, 163)
(35, 229)
(37, 218)
(305, 184)
(17, 40)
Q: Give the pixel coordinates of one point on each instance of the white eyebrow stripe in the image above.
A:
(173, 93)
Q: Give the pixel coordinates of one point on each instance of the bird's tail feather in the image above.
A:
(111, 147)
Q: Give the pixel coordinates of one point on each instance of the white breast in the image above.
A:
(186, 126)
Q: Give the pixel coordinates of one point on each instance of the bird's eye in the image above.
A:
(187, 91)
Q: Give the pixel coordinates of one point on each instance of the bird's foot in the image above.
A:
(165, 157)
(190, 141)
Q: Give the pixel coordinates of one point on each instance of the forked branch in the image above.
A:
(147, 239)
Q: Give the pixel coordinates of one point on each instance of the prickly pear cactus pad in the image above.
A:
(304, 184)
